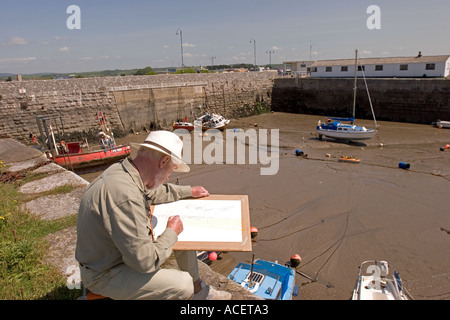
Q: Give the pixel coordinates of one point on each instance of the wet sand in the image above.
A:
(336, 215)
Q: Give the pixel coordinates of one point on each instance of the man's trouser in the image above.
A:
(124, 283)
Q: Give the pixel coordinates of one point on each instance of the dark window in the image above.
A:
(344, 69)
(379, 67)
(361, 68)
(430, 66)
(403, 67)
(328, 69)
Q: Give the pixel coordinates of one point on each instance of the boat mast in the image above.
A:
(355, 87)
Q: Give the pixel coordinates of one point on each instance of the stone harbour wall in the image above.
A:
(130, 102)
(420, 101)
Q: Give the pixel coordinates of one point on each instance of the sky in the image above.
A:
(39, 36)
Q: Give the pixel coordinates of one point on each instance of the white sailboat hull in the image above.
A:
(347, 135)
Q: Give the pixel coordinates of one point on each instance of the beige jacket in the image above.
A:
(112, 225)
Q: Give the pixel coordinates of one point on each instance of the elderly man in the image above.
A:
(115, 250)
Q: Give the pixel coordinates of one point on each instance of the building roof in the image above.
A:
(394, 60)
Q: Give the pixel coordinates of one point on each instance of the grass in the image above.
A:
(23, 272)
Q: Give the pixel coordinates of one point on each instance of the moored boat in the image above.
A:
(442, 124)
(91, 158)
(77, 154)
(179, 124)
(336, 128)
(266, 279)
(349, 159)
(213, 121)
(376, 282)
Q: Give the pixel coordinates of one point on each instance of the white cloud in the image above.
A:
(17, 60)
(189, 45)
(64, 49)
(95, 58)
(16, 41)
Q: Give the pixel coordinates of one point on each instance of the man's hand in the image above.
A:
(199, 191)
(175, 223)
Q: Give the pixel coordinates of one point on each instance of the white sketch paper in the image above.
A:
(203, 220)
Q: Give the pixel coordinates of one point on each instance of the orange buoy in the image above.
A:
(295, 260)
(212, 256)
(447, 146)
(253, 232)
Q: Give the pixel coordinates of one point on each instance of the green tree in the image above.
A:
(145, 71)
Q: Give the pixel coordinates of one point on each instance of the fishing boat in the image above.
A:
(349, 159)
(213, 121)
(266, 279)
(77, 155)
(72, 156)
(345, 128)
(375, 282)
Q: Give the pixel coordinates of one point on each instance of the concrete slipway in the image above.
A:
(20, 158)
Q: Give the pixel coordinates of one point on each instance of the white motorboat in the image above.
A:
(213, 121)
(376, 283)
(335, 128)
(442, 124)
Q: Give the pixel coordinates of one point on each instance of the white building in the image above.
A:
(400, 67)
(297, 68)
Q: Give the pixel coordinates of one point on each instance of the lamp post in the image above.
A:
(254, 52)
(181, 42)
(270, 57)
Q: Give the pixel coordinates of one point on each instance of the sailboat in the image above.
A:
(337, 129)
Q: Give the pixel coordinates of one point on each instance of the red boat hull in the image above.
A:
(92, 158)
(182, 126)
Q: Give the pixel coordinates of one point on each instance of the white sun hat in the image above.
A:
(168, 143)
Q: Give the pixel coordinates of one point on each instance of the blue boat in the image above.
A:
(267, 279)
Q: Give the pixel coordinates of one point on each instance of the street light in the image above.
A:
(270, 57)
(254, 51)
(181, 42)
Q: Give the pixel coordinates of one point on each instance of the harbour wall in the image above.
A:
(135, 103)
(131, 103)
(403, 100)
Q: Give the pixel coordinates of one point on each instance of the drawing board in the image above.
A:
(215, 223)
